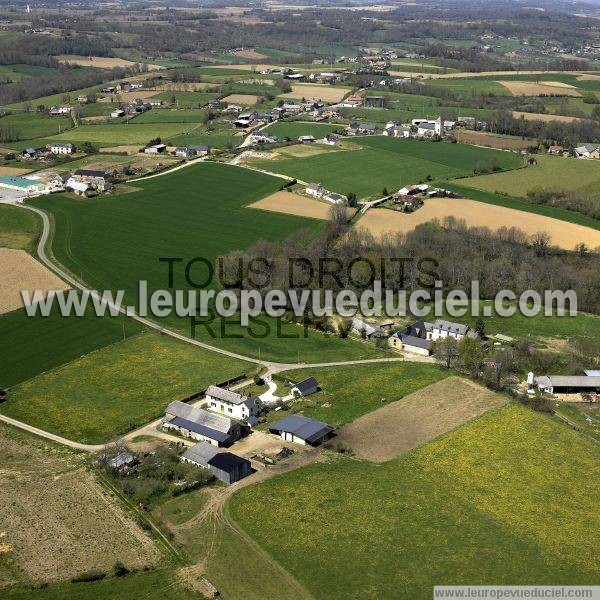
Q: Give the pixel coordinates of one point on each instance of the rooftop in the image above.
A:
(302, 427)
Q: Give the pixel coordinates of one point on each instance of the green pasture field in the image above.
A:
(167, 115)
(33, 345)
(19, 71)
(185, 99)
(460, 187)
(257, 89)
(456, 510)
(151, 585)
(469, 85)
(343, 392)
(454, 42)
(117, 388)
(34, 125)
(122, 134)
(207, 136)
(294, 129)
(48, 101)
(386, 162)
(224, 71)
(554, 172)
(199, 211)
(97, 109)
(19, 228)
(402, 111)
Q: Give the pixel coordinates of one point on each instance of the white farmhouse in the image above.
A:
(232, 403)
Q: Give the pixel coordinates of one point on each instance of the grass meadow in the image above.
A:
(123, 134)
(33, 345)
(35, 125)
(294, 129)
(342, 397)
(200, 211)
(457, 510)
(18, 228)
(387, 162)
(111, 391)
(554, 172)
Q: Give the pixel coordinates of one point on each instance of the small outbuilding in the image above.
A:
(225, 466)
(302, 430)
(304, 388)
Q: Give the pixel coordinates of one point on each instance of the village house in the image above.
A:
(395, 130)
(587, 151)
(83, 99)
(420, 336)
(59, 110)
(60, 148)
(302, 430)
(335, 198)
(81, 188)
(200, 424)
(30, 153)
(367, 129)
(259, 137)
(555, 150)
(353, 101)
(315, 189)
(426, 129)
(307, 139)
(117, 113)
(234, 404)
(225, 466)
(332, 139)
(95, 178)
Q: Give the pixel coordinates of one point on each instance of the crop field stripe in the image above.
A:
(555, 212)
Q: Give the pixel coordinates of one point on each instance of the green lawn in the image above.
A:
(186, 99)
(109, 392)
(150, 585)
(351, 391)
(550, 172)
(182, 508)
(457, 511)
(35, 125)
(167, 115)
(387, 162)
(123, 134)
(199, 211)
(294, 129)
(18, 228)
(31, 345)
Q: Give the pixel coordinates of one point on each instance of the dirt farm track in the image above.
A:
(381, 221)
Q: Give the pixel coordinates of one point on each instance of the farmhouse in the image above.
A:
(61, 109)
(81, 188)
(315, 189)
(555, 150)
(200, 150)
(367, 129)
(225, 466)
(263, 138)
(200, 424)
(60, 148)
(419, 337)
(587, 151)
(301, 430)
(118, 112)
(429, 129)
(238, 406)
(568, 384)
(82, 99)
(332, 139)
(307, 139)
(335, 198)
(304, 388)
(397, 131)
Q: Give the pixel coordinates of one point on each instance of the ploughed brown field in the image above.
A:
(103, 62)
(57, 521)
(294, 204)
(381, 221)
(503, 142)
(417, 418)
(246, 99)
(544, 88)
(544, 117)
(316, 91)
(20, 271)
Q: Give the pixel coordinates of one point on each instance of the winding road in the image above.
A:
(270, 366)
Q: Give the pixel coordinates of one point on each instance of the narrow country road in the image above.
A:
(271, 366)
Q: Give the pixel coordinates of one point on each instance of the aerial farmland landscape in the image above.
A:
(299, 301)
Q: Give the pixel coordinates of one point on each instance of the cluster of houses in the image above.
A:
(417, 338)
(316, 190)
(138, 106)
(83, 182)
(587, 151)
(224, 417)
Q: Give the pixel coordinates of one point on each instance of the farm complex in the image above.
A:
(299, 301)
